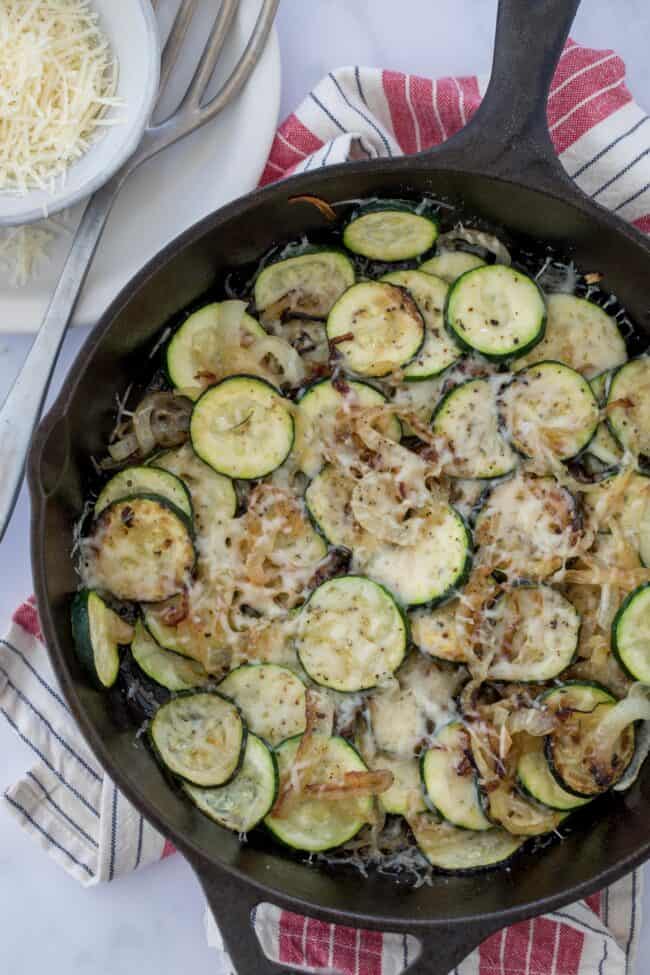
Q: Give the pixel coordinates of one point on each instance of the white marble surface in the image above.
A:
(152, 923)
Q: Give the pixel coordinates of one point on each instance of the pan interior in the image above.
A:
(607, 837)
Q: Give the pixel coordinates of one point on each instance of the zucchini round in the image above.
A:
(527, 527)
(142, 549)
(200, 737)
(306, 285)
(376, 328)
(351, 634)
(145, 480)
(570, 748)
(214, 498)
(242, 428)
(405, 796)
(467, 418)
(316, 417)
(496, 311)
(449, 265)
(244, 801)
(435, 633)
(168, 669)
(98, 632)
(390, 234)
(579, 334)
(628, 412)
(193, 352)
(507, 807)
(450, 779)
(535, 779)
(438, 350)
(635, 516)
(431, 569)
(315, 824)
(271, 698)
(631, 634)
(534, 631)
(549, 408)
(454, 850)
(328, 498)
(603, 446)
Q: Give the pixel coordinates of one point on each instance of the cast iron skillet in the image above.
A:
(504, 168)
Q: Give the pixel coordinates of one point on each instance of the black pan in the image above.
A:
(503, 167)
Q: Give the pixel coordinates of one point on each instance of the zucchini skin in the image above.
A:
(174, 777)
(620, 613)
(492, 356)
(81, 635)
(548, 740)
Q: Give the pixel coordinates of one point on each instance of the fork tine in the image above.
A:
(175, 40)
(211, 52)
(247, 62)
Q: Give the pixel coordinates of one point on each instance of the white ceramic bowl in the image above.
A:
(132, 30)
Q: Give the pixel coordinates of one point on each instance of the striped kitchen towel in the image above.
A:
(67, 802)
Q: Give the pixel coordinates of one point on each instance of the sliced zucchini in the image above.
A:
(399, 725)
(404, 797)
(450, 779)
(271, 698)
(631, 634)
(431, 569)
(635, 516)
(527, 527)
(316, 418)
(142, 549)
(603, 446)
(98, 633)
(581, 335)
(454, 850)
(467, 418)
(306, 285)
(193, 352)
(214, 498)
(199, 633)
(169, 669)
(438, 350)
(507, 807)
(496, 311)
(199, 737)
(419, 398)
(313, 823)
(376, 328)
(535, 779)
(351, 634)
(449, 265)
(244, 801)
(242, 428)
(534, 632)
(570, 749)
(434, 632)
(391, 234)
(145, 480)
(628, 412)
(328, 501)
(549, 408)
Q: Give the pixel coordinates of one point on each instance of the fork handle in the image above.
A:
(22, 407)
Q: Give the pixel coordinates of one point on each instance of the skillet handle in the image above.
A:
(233, 903)
(508, 135)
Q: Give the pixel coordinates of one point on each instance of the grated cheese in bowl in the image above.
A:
(58, 75)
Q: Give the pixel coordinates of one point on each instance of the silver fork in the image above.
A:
(23, 405)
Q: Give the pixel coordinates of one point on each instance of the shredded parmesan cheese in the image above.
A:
(57, 78)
